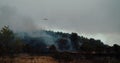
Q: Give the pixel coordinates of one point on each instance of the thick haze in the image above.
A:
(99, 19)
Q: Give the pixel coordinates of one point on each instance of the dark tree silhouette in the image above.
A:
(75, 41)
(9, 43)
(117, 50)
(53, 49)
(6, 38)
(63, 44)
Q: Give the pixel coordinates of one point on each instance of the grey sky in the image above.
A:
(99, 19)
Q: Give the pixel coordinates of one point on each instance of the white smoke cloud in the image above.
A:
(16, 21)
(88, 16)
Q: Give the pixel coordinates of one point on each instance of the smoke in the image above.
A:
(22, 23)
(89, 17)
(48, 39)
(16, 21)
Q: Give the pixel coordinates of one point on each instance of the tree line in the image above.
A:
(11, 44)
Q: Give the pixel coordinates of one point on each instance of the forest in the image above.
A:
(58, 45)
